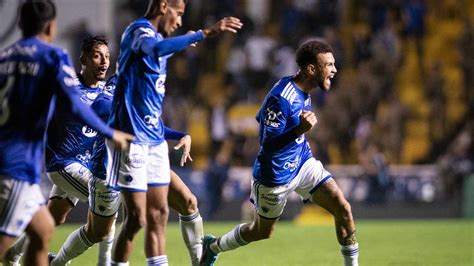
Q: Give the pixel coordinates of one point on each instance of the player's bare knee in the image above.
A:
(157, 216)
(135, 221)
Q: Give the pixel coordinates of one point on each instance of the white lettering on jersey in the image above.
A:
(270, 119)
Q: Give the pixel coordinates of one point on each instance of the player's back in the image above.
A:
(28, 82)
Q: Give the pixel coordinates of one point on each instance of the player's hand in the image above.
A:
(184, 142)
(231, 24)
(307, 121)
(121, 139)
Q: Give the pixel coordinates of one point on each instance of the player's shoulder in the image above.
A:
(142, 25)
(284, 90)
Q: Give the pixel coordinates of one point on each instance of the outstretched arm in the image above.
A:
(145, 42)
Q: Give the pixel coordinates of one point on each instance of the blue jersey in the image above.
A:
(102, 106)
(282, 153)
(32, 73)
(69, 140)
(137, 104)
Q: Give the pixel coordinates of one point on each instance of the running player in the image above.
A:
(143, 173)
(32, 73)
(285, 162)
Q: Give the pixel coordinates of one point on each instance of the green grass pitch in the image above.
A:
(382, 242)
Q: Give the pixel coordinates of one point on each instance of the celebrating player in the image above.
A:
(285, 163)
(143, 172)
(32, 72)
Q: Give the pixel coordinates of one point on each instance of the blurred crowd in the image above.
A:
(214, 90)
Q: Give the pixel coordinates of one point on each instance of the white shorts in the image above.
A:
(19, 201)
(71, 183)
(269, 202)
(136, 169)
(103, 201)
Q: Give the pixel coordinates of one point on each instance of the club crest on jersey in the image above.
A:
(270, 118)
(152, 121)
(84, 158)
(88, 132)
(291, 165)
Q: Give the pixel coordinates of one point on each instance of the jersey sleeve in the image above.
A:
(102, 105)
(67, 81)
(274, 114)
(173, 134)
(145, 42)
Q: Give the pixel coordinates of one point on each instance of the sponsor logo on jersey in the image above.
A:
(88, 132)
(300, 139)
(292, 165)
(270, 118)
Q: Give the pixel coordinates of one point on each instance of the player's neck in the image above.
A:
(44, 37)
(302, 83)
(154, 20)
(89, 80)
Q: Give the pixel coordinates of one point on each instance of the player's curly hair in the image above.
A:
(35, 15)
(308, 51)
(90, 42)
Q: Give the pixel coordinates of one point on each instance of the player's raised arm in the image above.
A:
(145, 43)
(66, 78)
(230, 24)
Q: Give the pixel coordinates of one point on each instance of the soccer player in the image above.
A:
(180, 197)
(32, 73)
(142, 173)
(285, 164)
(69, 145)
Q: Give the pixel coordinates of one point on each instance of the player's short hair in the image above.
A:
(35, 15)
(175, 2)
(90, 42)
(170, 2)
(308, 52)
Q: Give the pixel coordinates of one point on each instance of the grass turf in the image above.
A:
(383, 242)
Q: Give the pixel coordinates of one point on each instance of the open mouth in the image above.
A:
(102, 70)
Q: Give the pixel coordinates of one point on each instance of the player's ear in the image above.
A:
(163, 6)
(50, 29)
(311, 69)
(82, 59)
